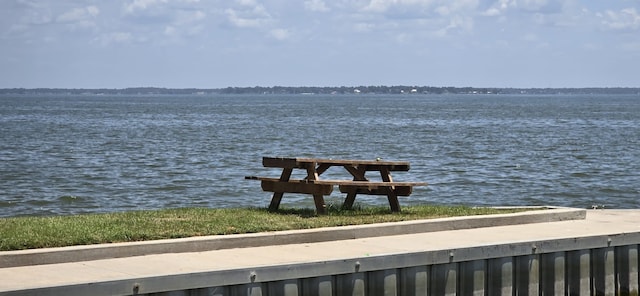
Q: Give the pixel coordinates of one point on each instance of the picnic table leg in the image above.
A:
(321, 208)
(358, 175)
(350, 199)
(318, 199)
(394, 204)
(312, 174)
(277, 196)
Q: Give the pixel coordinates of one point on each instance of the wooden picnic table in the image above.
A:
(312, 184)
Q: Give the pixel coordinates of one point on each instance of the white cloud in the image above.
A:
(493, 11)
(457, 7)
(316, 5)
(141, 5)
(421, 17)
(248, 15)
(385, 5)
(532, 4)
(241, 22)
(522, 27)
(280, 34)
(421, 9)
(114, 38)
(78, 14)
(379, 5)
(154, 20)
(189, 17)
(36, 16)
(530, 37)
(502, 7)
(498, 8)
(363, 27)
(247, 2)
(121, 37)
(170, 31)
(625, 19)
(185, 23)
(79, 17)
(457, 23)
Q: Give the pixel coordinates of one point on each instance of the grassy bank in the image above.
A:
(58, 231)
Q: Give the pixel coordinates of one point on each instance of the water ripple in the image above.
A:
(67, 155)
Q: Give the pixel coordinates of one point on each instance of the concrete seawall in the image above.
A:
(592, 255)
(219, 242)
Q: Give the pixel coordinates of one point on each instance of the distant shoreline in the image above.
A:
(383, 90)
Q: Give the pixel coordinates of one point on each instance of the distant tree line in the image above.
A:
(400, 89)
(109, 91)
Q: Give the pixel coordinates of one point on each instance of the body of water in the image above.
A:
(87, 154)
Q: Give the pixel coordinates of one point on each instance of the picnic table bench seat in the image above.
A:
(345, 186)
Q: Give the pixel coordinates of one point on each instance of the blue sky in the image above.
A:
(220, 43)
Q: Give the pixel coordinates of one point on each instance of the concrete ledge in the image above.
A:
(208, 243)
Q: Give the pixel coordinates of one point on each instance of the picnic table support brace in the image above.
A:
(392, 196)
(312, 175)
(358, 175)
(277, 196)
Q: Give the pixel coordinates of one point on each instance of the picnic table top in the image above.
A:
(340, 182)
(297, 161)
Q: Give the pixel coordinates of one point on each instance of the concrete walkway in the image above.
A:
(127, 274)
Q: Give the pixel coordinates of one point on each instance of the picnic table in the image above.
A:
(314, 185)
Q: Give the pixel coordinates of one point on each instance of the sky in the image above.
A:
(245, 43)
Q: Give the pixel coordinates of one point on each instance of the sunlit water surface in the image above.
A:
(87, 154)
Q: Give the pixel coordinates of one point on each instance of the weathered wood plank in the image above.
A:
(352, 161)
(322, 168)
(296, 187)
(371, 165)
(400, 190)
(368, 183)
(344, 182)
(276, 162)
(357, 172)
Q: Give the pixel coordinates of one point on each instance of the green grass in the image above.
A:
(57, 231)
